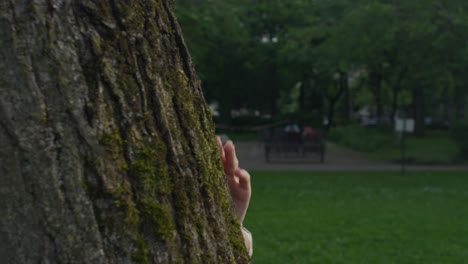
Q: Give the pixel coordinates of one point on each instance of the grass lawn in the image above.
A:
(354, 217)
(437, 147)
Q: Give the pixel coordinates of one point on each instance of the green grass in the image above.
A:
(371, 217)
(437, 147)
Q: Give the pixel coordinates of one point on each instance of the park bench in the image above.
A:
(280, 144)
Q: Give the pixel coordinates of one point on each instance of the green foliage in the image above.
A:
(358, 217)
(254, 54)
(459, 133)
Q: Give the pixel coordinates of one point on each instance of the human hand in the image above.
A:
(238, 179)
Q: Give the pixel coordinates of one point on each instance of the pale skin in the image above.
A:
(239, 184)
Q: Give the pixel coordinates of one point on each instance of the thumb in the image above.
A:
(244, 178)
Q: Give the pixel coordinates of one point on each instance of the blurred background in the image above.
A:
(348, 68)
(316, 95)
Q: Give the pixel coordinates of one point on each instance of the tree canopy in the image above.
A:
(392, 56)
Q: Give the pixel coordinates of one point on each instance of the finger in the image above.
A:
(221, 148)
(232, 163)
(244, 178)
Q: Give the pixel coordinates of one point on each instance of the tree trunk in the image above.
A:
(460, 100)
(107, 146)
(393, 112)
(376, 83)
(332, 100)
(347, 99)
(419, 111)
(274, 89)
(302, 98)
(330, 115)
(395, 93)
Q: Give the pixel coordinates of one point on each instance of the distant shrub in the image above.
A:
(459, 133)
(360, 138)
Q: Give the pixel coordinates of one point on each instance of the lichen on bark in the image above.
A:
(105, 138)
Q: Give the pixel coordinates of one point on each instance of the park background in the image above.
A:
(349, 69)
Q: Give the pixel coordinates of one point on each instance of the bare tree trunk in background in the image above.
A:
(332, 100)
(460, 102)
(344, 82)
(376, 88)
(396, 89)
(419, 111)
(107, 148)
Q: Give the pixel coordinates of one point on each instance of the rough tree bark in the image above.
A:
(107, 148)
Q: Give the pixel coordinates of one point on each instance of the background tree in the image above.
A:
(396, 55)
(107, 147)
(218, 40)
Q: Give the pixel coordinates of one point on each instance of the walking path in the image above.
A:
(251, 157)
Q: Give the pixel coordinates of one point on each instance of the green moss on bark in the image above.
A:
(141, 252)
(111, 140)
(122, 195)
(150, 101)
(150, 173)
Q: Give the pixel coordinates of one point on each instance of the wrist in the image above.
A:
(248, 240)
